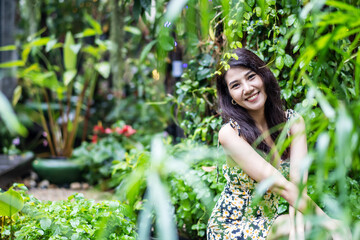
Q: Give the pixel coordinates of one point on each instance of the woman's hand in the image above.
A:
(338, 230)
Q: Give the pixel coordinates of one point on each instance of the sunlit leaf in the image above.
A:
(174, 8)
(11, 64)
(69, 54)
(133, 30)
(11, 202)
(17, 95)
(40, 41)
(45, 223)
(94, 24)
(103, 68)
(50, 44)
(9, 117)
(164, 214)
(8, 48)
(88, 32)
(69, 76)
(279, 62)
(288, 60)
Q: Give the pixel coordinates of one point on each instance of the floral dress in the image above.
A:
(235, 216)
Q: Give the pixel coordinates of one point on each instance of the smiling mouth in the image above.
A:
(252, 97)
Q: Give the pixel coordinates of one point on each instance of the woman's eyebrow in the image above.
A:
(248, 73)
(232, 82)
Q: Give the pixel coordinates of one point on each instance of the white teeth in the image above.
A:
(252, 97)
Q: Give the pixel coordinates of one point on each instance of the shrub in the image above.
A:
(74, 218)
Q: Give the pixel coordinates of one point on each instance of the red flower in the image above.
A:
(108, 130)
(128, 130)
(99, 129)
(118, 130)
(94, 139)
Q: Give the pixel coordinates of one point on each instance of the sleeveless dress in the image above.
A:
(235, 216)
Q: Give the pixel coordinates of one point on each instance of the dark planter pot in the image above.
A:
(58, 171)
(13, 167)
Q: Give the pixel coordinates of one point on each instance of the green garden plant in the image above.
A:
(109, 146)
(74, 218)
(52, 82)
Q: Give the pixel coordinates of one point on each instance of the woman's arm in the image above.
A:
(259, 169)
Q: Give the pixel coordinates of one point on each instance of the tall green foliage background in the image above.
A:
(311, 47)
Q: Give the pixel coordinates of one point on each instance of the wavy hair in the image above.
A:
(274, 110)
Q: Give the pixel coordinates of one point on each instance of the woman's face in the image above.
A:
(246, 88)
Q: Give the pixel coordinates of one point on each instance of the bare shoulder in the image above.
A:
(227, 134)
(298, 125)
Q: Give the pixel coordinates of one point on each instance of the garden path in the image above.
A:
(55, 194)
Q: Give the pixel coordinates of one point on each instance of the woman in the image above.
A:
(249, 98)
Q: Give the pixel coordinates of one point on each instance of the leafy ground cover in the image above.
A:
(74, 218)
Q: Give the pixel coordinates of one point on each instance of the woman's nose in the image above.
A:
(247, 88)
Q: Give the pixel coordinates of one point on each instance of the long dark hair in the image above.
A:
(274, 112)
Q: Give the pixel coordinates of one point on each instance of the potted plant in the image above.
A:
(59, 94)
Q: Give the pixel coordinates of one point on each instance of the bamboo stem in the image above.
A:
(51, 120)
(69, 144)
(44, 124)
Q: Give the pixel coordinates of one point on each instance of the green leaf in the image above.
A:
(8, 48)
(286, 93)
(69, 54)
(290, 20)
(17, 95)
(146, 50)
(344, 128)
(258, 11)
(93, 23)
(45, 223)
(88, 32)
(47, 79)
(50, 45)
(25, 53)
(343, 6)
(69, 76)
(166, 42)
(282, 30)
(262, 187)
(103, 68)
(40, 41)
(288, 60)
(8, 116)
(160, 199)
(174, 8)
(279, 62)
(11, 202)
(133, 30)
(271, 2)
(17, 63)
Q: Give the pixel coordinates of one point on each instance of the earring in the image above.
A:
(233, 102)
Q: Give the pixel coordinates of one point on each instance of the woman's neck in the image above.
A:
(260, 120)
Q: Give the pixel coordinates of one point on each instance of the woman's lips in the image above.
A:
(253, 97)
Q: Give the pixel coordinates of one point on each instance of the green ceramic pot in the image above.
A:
(58, 171)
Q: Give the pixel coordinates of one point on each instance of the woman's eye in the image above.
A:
(252, 76)
(235, 85)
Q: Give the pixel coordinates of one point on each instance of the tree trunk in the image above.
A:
(117, 38)
(7, 32)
